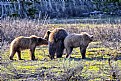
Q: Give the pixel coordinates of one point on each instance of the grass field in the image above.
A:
(103, 62)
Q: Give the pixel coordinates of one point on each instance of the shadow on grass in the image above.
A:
(78, 59)
(88, 59)
(99, 58)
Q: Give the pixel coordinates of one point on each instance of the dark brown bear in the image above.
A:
(22, 43)
(56, 42)
(77, 40)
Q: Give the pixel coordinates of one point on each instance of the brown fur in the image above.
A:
(22, 43)
(47, 34)
(56, 42)
(77, 40)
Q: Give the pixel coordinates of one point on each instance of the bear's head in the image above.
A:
(41, 41)
(87, 37)
(46, 36)
(38, 40)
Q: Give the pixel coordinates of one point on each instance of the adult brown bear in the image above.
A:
(22, 43)
(56, 42)
(77, 40)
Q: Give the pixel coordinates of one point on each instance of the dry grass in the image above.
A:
(13, 28)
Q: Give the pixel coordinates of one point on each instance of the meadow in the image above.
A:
(103, 62)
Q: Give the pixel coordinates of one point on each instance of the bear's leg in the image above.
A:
(83, 52)
(12, 53)
(52, 50)
(32, 53)
(68, 50)
(59, 52)
(19, 54)
(59, 49)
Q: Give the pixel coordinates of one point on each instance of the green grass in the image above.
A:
(95, 66)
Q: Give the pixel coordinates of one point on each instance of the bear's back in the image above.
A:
(73, 40)
(21, 42)
(57, 34)
(74, 37)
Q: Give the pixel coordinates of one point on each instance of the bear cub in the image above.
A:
(77, 40)
(22, 43)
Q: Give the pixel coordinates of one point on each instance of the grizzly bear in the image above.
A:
(22, 43)
(56, 42)
(77, 40)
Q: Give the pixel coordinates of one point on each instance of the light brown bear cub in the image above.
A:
(77, 40)
(22, 43)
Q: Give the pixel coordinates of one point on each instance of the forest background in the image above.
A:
(59, 8)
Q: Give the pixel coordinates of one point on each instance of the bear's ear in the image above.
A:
(48, 32)
(86, 36)
(46, 36)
